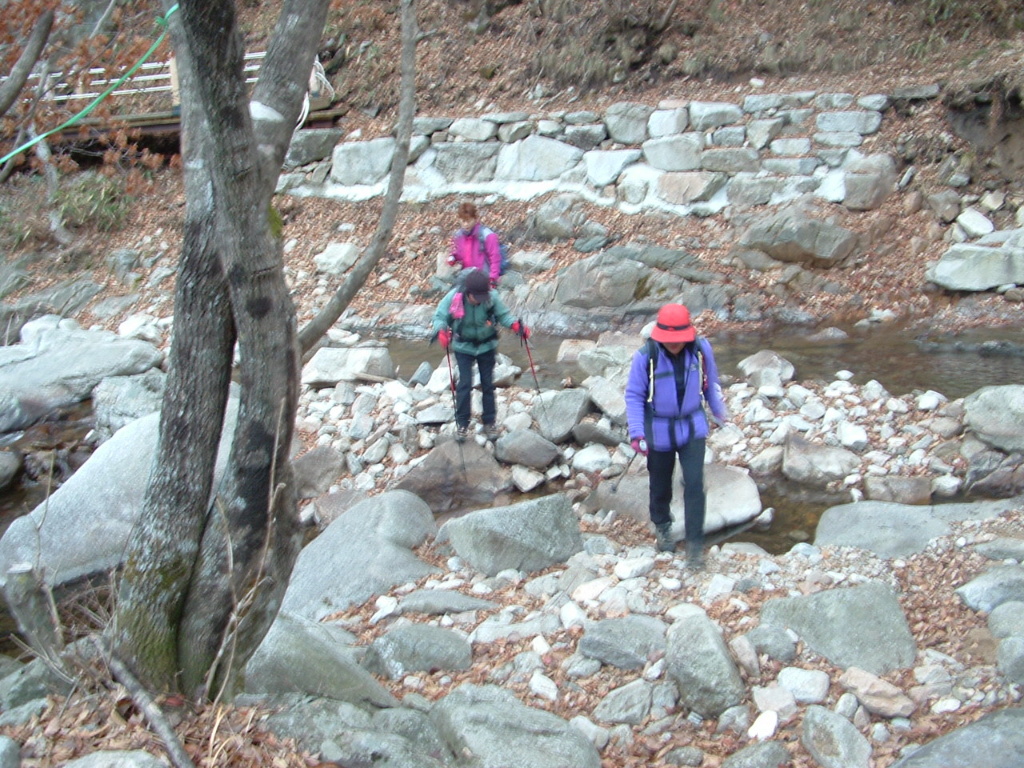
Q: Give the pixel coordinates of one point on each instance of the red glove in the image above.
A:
(494, 284)
(444, 338)
(520, 328)
(639, 445)
(451, 260)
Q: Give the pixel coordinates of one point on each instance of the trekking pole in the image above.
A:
(529, 356)
(629, 464)
(455, 407)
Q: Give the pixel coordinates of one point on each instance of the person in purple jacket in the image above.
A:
(671, 380)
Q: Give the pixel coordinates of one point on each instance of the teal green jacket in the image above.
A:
(477, 331)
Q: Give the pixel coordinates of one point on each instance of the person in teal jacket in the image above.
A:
(467, 321)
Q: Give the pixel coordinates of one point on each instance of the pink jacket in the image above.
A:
(466, 251)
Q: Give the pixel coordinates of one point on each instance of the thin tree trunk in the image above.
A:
(313, 331)
(22, 68)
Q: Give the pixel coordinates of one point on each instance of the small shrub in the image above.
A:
(91, 199)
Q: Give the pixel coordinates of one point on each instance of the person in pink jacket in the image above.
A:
(474, 246)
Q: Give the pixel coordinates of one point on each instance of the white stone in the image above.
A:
(543, 686)
(764, 726)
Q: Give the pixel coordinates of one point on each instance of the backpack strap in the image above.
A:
(652, 348)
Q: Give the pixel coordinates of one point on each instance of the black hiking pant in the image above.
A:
(464, 389)
(661, 466)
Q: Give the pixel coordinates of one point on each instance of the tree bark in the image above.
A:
(202, 577)
(23, 66)
(315, 329)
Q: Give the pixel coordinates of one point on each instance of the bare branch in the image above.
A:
(312, 332)
(150, 709)
(23, 67)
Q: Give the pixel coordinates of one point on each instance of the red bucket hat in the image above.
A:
(673, 325)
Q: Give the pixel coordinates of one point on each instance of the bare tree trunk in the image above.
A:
(191, 565)
(313, 331)
(12, 86)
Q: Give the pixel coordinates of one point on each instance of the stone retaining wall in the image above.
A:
(682, 157)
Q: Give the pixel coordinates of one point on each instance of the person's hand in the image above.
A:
(639, 445)
(494, 284)
(444, 338)
(519, 327)
(451, 260)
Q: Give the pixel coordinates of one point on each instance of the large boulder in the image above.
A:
(599, 281)
(860, 626)
(302, 656)
(979, 267)
(58, 364)
(82, 529)
(993, 741)
(699, 662)
(493, 726)
(527, 536)
(366, 551)
(792, 236)
(455, 476)
(996, 415)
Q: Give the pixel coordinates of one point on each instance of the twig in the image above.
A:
(152, 712)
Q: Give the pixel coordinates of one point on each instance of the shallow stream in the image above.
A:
(892, 356)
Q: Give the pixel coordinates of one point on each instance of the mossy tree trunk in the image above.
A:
(203, 580)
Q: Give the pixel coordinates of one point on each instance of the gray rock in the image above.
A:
(993, 741)
(10, 466)
(362, 162)
(82, 529)
(629, 642)
(772, 640)
(605, 166)
(115, 758)
(416, 727)
(675, 153)
(730, 160)
(860, 626)
(833, 741)
(57, 364)
(119, 400)
(417, 648)
(31, 682)
(525, 447)
(441, 601)
(766, 368)
(1010, 658)
(629, 703)
(317, 470)
(382, 750)
(792, 236)
(469, 162)
(1003, 548)
(689, 187)
(885, 528)
(536, 158)
(761, 754)
(995, 586)
(527, 536)
(976, 267)
(1007, 620)
(816, 465)
(330, 365)
(558, 412)
(857, 121)
(311, 145)
(10, 753)
(473, 128)
(312, 721)
(699, 662)
(367, 550)
(627, 122)
(710, 114)
(492, 725)
(586, 137)
(455, 477)
(996, 415)
(599, 281)
(302, 656)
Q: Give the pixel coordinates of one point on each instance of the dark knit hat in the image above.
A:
(478, 285)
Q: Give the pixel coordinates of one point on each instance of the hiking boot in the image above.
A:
(462, 433)
(663, 533)
(491, 432)
(694, 556)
